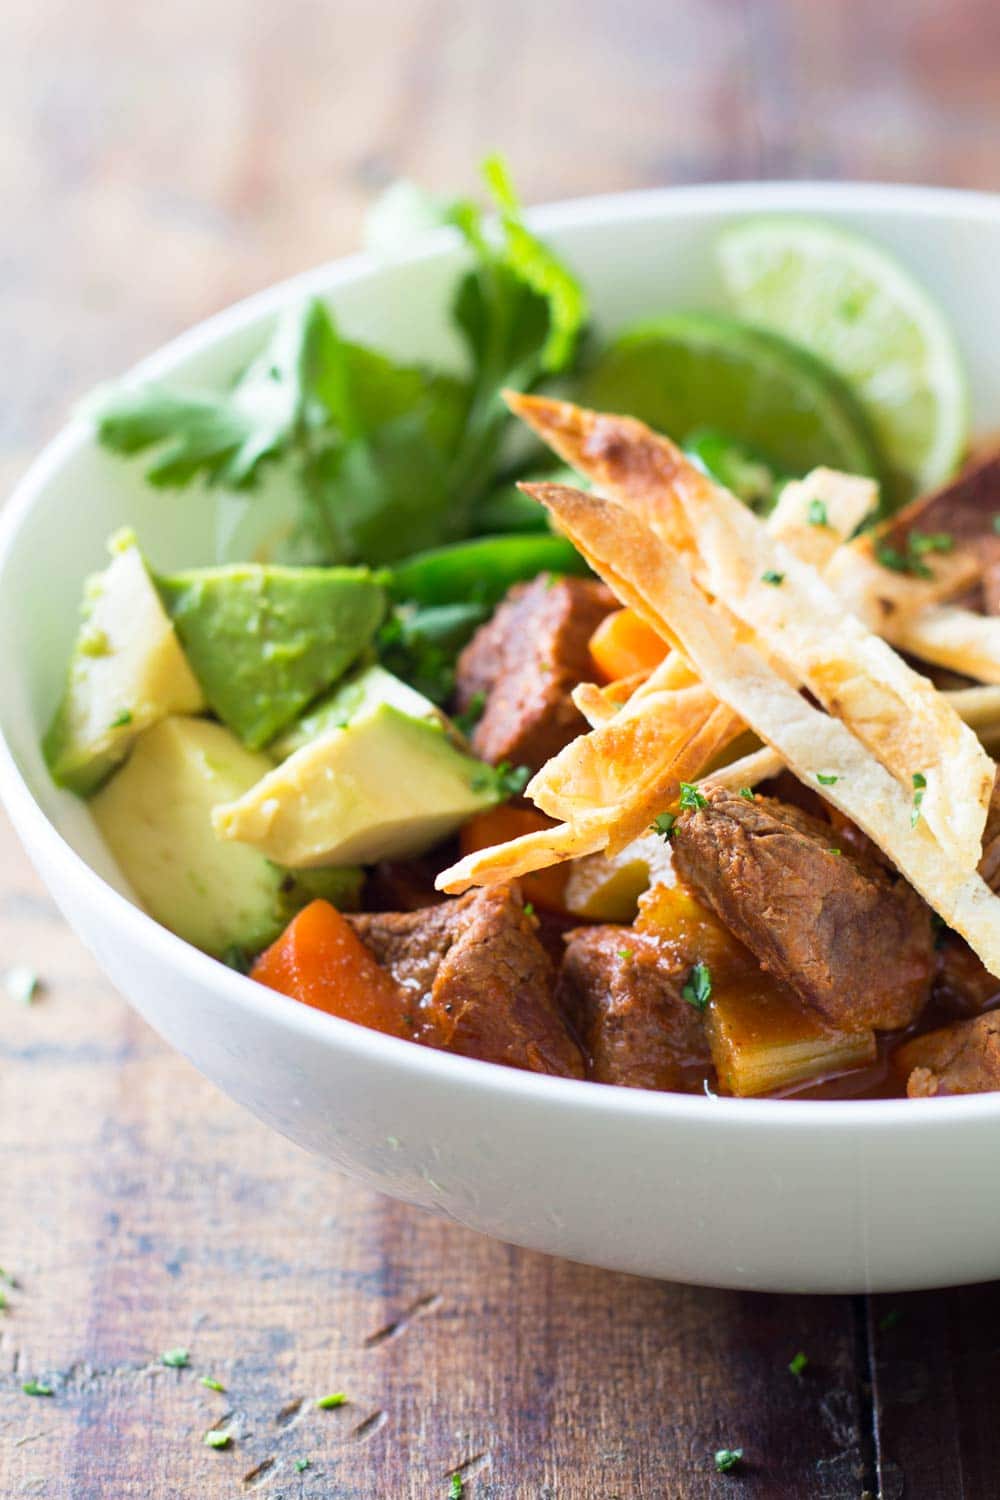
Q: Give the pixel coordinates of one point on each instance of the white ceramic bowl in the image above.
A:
(775, 1194)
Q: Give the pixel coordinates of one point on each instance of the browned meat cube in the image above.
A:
(482, 984)
(959, 1059)
(526, 661)
(622, 993)
(963, 986)
(841, 930)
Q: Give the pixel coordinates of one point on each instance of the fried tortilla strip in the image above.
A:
(636, 564)
(881, 596)
(532, 851)
(892, 709)
(952, 637)
(797, 618)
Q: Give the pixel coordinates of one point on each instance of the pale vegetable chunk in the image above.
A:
(127, 672)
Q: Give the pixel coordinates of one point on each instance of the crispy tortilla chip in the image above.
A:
(881, 596)
(532, 851)
(952, 637)
(841, 500)
(637, 565)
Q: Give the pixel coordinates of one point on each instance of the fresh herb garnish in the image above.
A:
(901, 562)
(798, 1363)
(508, 780)
(466, 721)
(772, 577)
(728, 1459)
(920, 542)
(218, 1437)
(457, 1488)
(697, 989)
(818, 514)
(37, 1388)
(420, 644)
(21, 983)
(211, 1384)
(625, 954)
(387, 458)
(121, 719)
(746, 792)
(663, 824)
(691, 800)
(176, 1359)
(327, 1403)
(529, 908)
(301, 1465)
(919, 787)
(826, 778)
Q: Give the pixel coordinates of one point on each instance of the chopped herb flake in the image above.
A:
(218, 1437)
(663, 824)
(211, 1384)
(3, 1302)
(457, 1488)
(625, 954)
(746, 792)
(835, 851)
(121, 719)
(691, 799)
(818, 515)
(698, 987)
(826, 778)
(772, 577)
(508, 780)
(7, 1278)
(901, 562)
(919, 787)
(728, 1459)
(798, 1363)
(37, 1388)
(930, 541)
(301, 1465)
(327, 1403)
(176, 1359)
(21, 984)
(529, 908)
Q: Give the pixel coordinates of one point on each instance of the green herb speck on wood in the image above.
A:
(728, 1459)
(175, 1359)
(327, 1403)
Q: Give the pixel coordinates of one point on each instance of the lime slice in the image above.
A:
(689, 371)
(855, 307)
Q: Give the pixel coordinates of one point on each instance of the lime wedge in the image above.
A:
(688, 371)
(855, 307)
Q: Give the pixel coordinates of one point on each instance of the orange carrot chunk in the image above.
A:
(624, 644)
(319, 960)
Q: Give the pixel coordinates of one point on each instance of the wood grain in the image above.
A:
(157, 162)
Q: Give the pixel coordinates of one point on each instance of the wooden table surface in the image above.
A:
(157, 161)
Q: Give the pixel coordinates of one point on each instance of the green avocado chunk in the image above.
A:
(265, 641)
(352, 699)
(126, 672)
(384, 786)
(156, 818)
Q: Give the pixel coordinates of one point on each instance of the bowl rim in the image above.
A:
(440, 1069)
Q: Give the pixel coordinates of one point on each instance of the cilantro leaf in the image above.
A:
(328, 1403)
(728, 1459)
(798, 1363)
(175, 1359)
(663, 824)
(697, 990)
(691, 800)
(818, 514)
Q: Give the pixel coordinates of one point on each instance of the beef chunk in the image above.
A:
(622, 993)
(525, 662)
(963, 986)
(959, 1059)
(481, 981)
(853, 940)
(964, 509)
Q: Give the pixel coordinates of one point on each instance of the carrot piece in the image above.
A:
(319, 960)
(545, 888)
(624, 644)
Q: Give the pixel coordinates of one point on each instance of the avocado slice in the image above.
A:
(352, 699)
(126, 672)
(265, 641)
(156, 818)
(384, 786)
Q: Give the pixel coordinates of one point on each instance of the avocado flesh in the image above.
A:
(127, 671)
(383, 787)
(156, 818)
(265, 641)
(350, 700)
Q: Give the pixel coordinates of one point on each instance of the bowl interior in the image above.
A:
(636, 255)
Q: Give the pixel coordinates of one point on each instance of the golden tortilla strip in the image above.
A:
(532, 851)
(815, 515)
(952, 637)
(821, 750)
(881, 596)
